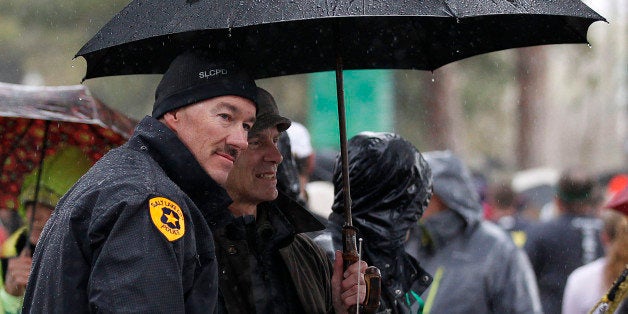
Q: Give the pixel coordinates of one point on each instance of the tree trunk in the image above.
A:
(444, 114)
(531, 76)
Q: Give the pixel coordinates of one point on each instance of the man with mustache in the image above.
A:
(132, 234)
(266, 264)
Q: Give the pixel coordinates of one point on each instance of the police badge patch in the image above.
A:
(167, 217)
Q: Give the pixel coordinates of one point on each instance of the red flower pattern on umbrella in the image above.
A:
(73, 117)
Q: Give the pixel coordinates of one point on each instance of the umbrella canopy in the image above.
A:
(278, 37)
(38, 121)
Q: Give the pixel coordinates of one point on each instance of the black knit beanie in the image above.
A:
(192, 77)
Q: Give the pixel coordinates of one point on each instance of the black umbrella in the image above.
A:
(282, 37)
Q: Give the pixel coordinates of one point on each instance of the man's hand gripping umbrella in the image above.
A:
(350, 253)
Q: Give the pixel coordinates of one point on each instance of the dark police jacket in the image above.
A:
(131, 235)
(267, 265)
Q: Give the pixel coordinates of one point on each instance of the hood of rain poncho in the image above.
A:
(60, 171)
(453, 184)
(390, 185)
(390, 188)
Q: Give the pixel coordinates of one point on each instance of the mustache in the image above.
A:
(232, 151)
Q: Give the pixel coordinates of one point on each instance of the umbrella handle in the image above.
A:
(373, 279)
(372, 275)
(614, 296)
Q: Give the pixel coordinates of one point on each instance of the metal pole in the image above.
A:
(44, 146)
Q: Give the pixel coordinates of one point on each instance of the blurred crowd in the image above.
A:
(569, 245)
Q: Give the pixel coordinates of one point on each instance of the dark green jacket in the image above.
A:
(302, 271)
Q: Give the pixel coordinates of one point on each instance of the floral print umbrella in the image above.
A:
(35, 121)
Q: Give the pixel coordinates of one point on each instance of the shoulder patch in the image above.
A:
(167, 217)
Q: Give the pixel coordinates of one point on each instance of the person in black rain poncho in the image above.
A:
(390, 188)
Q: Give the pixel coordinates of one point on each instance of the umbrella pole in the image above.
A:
(31, 222)
(342, 124)
(350, 253)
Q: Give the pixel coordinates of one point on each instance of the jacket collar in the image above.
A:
(284, 210)
(299, 217)
(157, 140)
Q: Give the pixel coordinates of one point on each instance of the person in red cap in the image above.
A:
(619, 201)
(132, 235)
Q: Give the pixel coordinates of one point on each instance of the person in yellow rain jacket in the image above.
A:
(60, 172)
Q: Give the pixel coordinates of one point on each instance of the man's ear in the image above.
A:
(170, 119)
